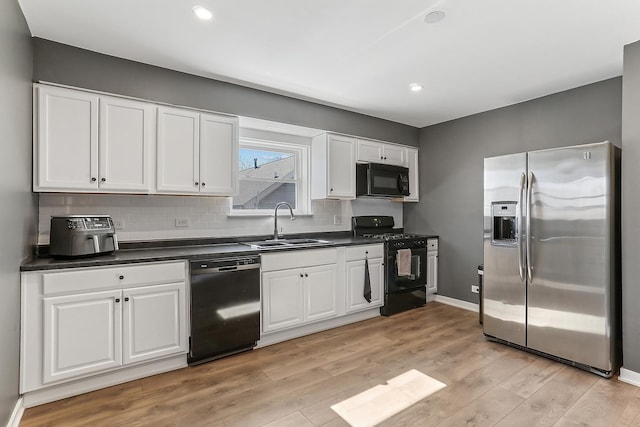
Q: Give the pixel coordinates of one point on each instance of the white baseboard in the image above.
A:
(629, 377)
(98, 381)
(457, 303)
(287, 334)
(16, 415)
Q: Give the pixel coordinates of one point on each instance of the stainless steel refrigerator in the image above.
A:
(551, 254)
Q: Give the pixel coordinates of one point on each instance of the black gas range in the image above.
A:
(405, 263)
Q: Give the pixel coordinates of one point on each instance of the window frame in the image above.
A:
(302, 181)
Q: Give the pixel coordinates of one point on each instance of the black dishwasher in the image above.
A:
(225, 307)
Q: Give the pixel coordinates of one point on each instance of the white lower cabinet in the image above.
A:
(297, 296)
(153, 322)
(304, 294)
(82, 334)
(320, 294)
(432, 266)
(282, 295)
(80, 322)
(355, 276)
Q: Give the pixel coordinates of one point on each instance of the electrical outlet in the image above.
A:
(118, 223)
(182, 222)
(475, 289)
(337, 220)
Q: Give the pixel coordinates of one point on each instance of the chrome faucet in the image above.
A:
(275, 217)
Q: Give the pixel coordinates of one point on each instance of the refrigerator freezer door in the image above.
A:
(569, 294)
(504, 289)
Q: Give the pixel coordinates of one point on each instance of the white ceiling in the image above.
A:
(361, 55)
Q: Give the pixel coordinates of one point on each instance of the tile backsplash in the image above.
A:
(153, 217)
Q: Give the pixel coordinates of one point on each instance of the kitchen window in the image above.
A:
(271, 172)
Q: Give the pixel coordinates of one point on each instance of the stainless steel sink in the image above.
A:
(285, 243)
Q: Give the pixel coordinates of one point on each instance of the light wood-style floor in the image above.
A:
(295, 383)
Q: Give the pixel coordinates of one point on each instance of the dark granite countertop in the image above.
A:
(192, 249)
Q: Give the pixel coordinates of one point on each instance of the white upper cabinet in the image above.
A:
(218, 154)
(87, 142)
(197, 153)
(95, 143)
(66, 143)
(333, 167)
(178, 151)
(414, 184)
(125, 139)
(369, 151)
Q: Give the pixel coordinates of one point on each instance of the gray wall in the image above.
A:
(631, 206)
(451, 167)
(17, 204)
(63, 64)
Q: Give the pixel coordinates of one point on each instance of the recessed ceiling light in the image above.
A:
(202, 13)
(435, 16)
(415, 87)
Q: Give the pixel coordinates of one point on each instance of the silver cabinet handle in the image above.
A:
(523, 180)
(529, 202)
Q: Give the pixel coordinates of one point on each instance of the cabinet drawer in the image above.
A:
(432, 244)
(80, 280)
(298, 259)
(359, 252)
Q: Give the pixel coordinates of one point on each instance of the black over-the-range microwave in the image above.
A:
(378, 180)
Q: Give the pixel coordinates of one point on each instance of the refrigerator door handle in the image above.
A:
(529, 256)
(523, 179)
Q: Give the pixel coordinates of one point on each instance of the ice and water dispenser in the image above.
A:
(505, 225)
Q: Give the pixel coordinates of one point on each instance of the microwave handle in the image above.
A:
(399, 184)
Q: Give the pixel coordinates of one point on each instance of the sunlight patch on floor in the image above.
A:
(375, 405)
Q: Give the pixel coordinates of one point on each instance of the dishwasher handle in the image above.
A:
(195, 269)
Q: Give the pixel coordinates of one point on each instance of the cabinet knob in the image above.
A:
(126, 298)
(93, 179)
(331, 189)
(121, 277)
(117, 299)
(103, 179)
(301, 275)
(196, 183)
(306, 275)
(203, 184)
(385, 157)
(366, 252)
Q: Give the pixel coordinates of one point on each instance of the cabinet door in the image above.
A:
(125, 137)
(394, 155)
(154, 322)
(369, 151)
(66, 145)
(432, 272)
(282, 299)
(414, 189)
(218, 154)
(341, 168)
(355, 284)
(82, 334)
(320, 295)
(178, 151)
